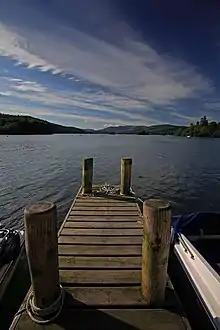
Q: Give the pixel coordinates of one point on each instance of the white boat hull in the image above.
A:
(204, 279)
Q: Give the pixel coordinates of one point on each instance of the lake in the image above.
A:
(32, 168)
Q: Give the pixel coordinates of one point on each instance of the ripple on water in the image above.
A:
(32, 168)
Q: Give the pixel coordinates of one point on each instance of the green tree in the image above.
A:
(204, 121)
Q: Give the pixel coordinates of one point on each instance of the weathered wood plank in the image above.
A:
(110, 240)
(108, 319)
(118, 198)
(100, 262)
(105, 218)
(102, 224)
(94, 296)
(116, 250)
(104, 277)
(103, 213)
(124, 296)
(102, 232)
(105, 201)
(111, 208)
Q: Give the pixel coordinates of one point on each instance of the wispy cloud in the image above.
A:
(92, 101)
(128, 78)
(26, 86)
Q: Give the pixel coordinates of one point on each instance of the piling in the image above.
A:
(87, 175)
(155, 250)
(41, 244)
(126, 164)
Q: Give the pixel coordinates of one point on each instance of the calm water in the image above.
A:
(32, 168)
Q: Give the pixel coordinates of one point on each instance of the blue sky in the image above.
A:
(93, 63)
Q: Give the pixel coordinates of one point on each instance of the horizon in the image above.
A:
(99, 63)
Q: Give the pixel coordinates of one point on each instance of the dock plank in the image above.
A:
(124, 297)
(102, 232)
(112, 218)
(109, 208)
(100, 240)
(104, 277)
(65, 249)
(103, 213)
(99, 262)
(102, 224)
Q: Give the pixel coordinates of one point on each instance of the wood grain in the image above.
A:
(134, 250)
(104, 212)
(103, 277)
(128, 218)
(102, 232)
(102, 224)
(110, 240)
(99, 262)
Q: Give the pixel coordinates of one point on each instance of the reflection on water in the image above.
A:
(32, 168)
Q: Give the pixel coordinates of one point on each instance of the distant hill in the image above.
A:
(141, 130)
(10, 124)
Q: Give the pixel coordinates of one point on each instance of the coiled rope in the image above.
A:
(47, 314)
(107, 189)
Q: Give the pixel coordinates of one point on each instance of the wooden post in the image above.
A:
(41, 244)
(155, 250)
(87, 175)
(126, 164)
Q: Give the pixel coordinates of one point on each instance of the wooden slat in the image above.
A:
(105, 218)
(102, 232)
(114, 208)
(103, 213)
(101, 202)
(101, 224)
(124, 297)
(117, 250)
(99, 262)
(106, 198)
(93, 296)
(110, 240)
(103, 277)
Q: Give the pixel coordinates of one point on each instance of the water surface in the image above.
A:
(32, 168)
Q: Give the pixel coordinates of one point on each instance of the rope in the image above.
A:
(107, 189)
(46, 314)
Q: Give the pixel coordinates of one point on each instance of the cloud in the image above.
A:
(92, 101)
(113, 73)
(26, 86)
(133, 69)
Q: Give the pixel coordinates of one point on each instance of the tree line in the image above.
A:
(11, 124)
(202, 128)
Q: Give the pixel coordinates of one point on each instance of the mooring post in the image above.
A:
(87, 175)
(155, 250)
(40, 221)
(126, 164)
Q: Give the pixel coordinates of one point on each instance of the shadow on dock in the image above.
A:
(76, 314)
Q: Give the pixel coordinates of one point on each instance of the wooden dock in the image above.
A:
(100, 258)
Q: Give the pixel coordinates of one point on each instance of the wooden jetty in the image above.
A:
(112, 276)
